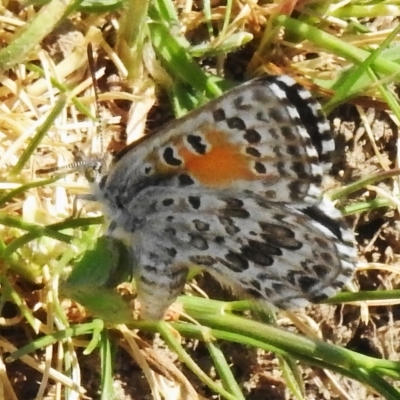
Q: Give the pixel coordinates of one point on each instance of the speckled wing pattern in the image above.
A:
(235, 188)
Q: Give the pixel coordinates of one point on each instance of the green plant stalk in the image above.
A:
(10, 294)
(361, 183)
(77, 330)
(165, 9)
(360, 362)
(365, 295)
(208, 18)
(131, 36)
(336, 46)
(182, 99)
(251, 333)
(63, 89)
(288, 342)
(366, 206)
(107, 390)
(76, 223)
(193, 332)
(231, 43)
(70, 366)
(366, 11)
(32, 35)
(40, 133)
(292, 376)
(169, 337)
(35, 230)
(23, 188)
(386, 94)
(17, 243)
(102, 6)
(176, 59)
(97, 336)
(32, 273)
(344, 90)
(224, 371)
(375, 380)
(227, 17)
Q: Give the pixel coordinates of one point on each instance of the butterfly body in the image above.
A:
(235, 188)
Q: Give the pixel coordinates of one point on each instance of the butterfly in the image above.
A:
(234, 187)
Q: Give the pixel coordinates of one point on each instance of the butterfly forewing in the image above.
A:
(252, 138)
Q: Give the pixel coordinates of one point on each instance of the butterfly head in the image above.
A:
(94, 168)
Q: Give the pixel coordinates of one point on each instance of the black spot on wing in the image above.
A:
(256, 284)
(268, 292)
(149, 268)
(201, 226)
(194, 201)
(240, 105)
(207, 261)
(254, 293)
(185, 180)
(252, 136)
(167, 202)
(252, 151)
(236, 123)
(300, 170)
(307, 283)
(297, 189)
(235, 213)
(278, 287)
(234, 209)
(238, 260)
(198, 242)
(279, 236)
(293, 150)
(171, 252)
(234, 261)
(288, 133)
(322, 270)
(260, 253)
(219, 115)
(230, 228)
(196, 142)
(260, 168)
(170, 231)
(318, 297)
(169, 157)
(219, 239)
(274, 133)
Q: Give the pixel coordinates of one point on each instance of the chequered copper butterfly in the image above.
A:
(235, 188)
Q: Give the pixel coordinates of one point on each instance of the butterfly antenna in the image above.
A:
(82, 162)
(92, 69)
(75, 166)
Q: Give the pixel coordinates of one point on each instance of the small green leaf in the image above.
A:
(92, 280)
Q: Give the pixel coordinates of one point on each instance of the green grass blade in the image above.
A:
(224, 371)
(41, 132)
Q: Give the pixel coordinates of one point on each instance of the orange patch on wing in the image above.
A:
(221, 166)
